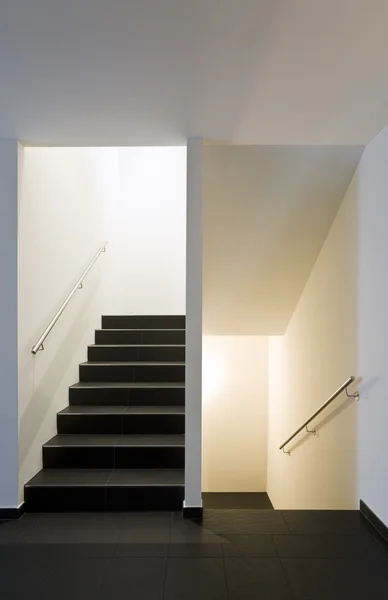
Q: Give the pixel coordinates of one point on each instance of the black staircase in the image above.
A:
(120, 443)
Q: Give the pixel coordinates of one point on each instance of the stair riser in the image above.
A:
(121, 424)
(103, 498)
(144, 322)
(135, 374)
(125, 397)
(139, 337)
(113, 457)
(140, 353)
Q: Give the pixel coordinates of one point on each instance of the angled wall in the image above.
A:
(339, 328)
(315, 356)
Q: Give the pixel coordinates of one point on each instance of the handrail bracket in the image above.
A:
(356, 395)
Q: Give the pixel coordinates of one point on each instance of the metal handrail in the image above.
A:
(343, 387)
(39, 344)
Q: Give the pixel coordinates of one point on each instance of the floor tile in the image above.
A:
(20, 580)
(195, 579)
(52, 553)
(152, 519)
(236, 500)
(61, 533)
(324, 521)
(90, 519)
(256, 578)
(188, 529)
(137, 578)
(328, 546)
(142, 549)
(253, 546)
(146, 530)
(11, 531)
(75, 579)
(244, 521)
(205, 546)
(336, 579)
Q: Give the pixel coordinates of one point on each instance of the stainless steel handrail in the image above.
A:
(343, 387)
(39, 344)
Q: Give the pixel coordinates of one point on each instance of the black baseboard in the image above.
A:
(192, 512)
(374, 520)
(6, 514)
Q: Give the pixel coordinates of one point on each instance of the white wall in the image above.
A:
(72, 199)
(148, 241)
(62, 210)
(316, 355)
(235, 402)
(371, 193)
(8, 324)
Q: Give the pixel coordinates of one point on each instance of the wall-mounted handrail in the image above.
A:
(343, 387)
(39, 344)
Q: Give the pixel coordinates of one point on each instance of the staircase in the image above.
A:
(120, 442)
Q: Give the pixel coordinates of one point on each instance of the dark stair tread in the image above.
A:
(109, 477)
(115, 363)
(70, 477)
(142, 329)
(147, 477)
(131, 410)
(136, 345)
(129, 385)
(66, 440)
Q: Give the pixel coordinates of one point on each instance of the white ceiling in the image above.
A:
(266, 214)
(128, 72)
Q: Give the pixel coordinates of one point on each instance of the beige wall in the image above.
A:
(234, 413)
(316, 355)
(266, 213)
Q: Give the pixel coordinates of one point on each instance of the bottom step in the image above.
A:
(62, 490)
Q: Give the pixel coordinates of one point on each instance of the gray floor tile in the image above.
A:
(195, 579)
(205, 546)
(244, 521)
(253, 546)
(328, 546)
(20, 580)
(141, 549)
(188, 529)
(55, 533)
(256, 578)
(78, 579)
(324, 521)
(337, 579)
(11, 531)
(52, 553)
(137, 578)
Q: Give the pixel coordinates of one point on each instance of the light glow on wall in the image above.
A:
(213, 375)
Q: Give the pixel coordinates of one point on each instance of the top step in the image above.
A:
(144, 322)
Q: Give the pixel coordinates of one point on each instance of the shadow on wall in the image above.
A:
(41, 397)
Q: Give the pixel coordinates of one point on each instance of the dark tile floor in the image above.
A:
(230, 555)
(236, 500)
